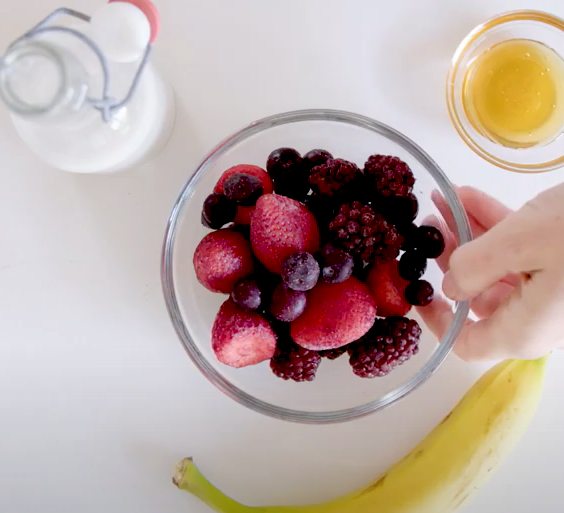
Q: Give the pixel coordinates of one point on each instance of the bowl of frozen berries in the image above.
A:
(295, 261)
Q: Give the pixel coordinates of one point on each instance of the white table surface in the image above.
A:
(97, 398)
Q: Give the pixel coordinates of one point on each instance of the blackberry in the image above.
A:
(218, 211)
(293, 362)
(364, 233)
(430, 241)
(389, 343)
(389, 176)
(398, 209)
(419, 293)
(334, 178)
(333, 354)
(412, 265)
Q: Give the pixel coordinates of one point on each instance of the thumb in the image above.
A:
(518, 244)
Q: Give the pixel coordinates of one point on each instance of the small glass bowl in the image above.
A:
(525, 24)
(336, 395)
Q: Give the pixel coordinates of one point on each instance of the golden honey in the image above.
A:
(514, 93)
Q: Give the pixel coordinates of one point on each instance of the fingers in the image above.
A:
(489, 301)
(515, 245)
(487, 211)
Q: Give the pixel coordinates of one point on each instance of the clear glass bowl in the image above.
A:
(533, 25)
(336, 395)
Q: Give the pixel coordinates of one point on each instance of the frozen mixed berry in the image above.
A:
(241, 338)
(290, 175)
(388, 289)
(218, 211)
(244, 213)
(333, 354)
(336, 264)
(399, 209)
(300, 271)
(247, 294)
(389, 176)
(412, 265)
(221, 259)
(315, 158)
(323, 208)
(364, 233)
(287, 304)
(419, 293)
(430, 241)
(281, 227)
(293, 362)
(389, 343)
(336, 177)
(281, 161)
(336, 315)
(243, 189)
(410, 234)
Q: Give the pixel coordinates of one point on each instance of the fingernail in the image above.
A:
(450, 288)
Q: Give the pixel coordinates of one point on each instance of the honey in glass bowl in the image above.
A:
(513, 93)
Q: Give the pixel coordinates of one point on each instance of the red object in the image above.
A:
(388, 289)
(150, 10)
(241, 338)
(335, 315)
(221, 259)
(281, 227)
(244, 213)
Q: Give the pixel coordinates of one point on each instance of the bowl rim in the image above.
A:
(167, 269)
(455, 115)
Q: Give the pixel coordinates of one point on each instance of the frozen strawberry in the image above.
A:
(280, 227)
(388, 289)
(244, 213)
(335, 315)
(241, 338)
(221, 259)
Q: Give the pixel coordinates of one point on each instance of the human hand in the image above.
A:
(512, 272)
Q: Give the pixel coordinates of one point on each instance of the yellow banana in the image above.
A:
(445, 469)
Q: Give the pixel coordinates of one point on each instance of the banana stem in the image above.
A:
(187, 477)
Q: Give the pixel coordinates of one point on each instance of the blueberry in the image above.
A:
(316, 158)
(244, 189)
(218, 211)
(290, 176)
(410, 233)
(300, 271)
(286, 304)
(419, 293)
(247, 294)
(430, 241)
(412, 265)
(282, 160)
(337, 265)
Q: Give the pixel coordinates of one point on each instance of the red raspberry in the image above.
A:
(364, 233)
(389, 343)
(389, 175)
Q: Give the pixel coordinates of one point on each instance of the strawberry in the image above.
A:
(221, 259)
(280, 227)
(241, 338)
(388, 289)
(335, 315)
(244, 213)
